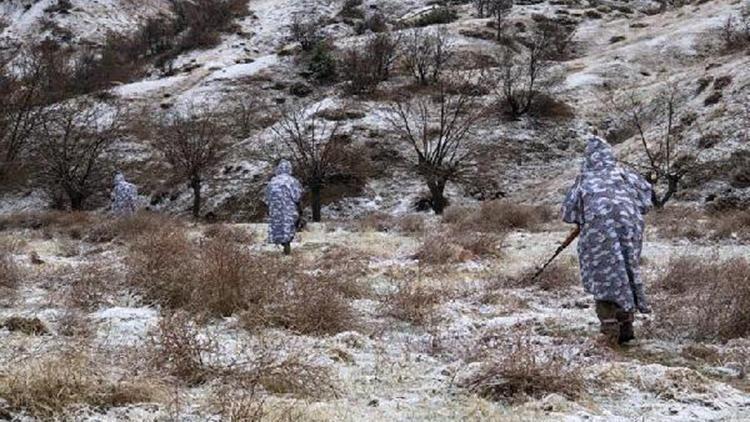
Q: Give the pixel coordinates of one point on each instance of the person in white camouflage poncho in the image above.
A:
(124, 196)
(283, 194)
(608, 202)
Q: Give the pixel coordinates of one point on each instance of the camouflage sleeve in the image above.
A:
(642, 188)
(572, 209)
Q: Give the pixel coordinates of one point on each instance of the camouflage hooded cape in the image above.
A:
(608, 202)
(124, 196)
(283, 193)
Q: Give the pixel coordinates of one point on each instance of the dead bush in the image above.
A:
(704, 298)
(524, 372)
(413, 223)
(366, 66)
(179, 349)
(499, 216)
(47, 387)
(29, 326)
(128, 228)
(230, 233)
(440, 249)
(10, 276)
(733, 224)
(162, 266)
(71, 224)
(375, 221)
(90, 286)
(735, 31)
(344, 267)
(412, 301)
(301, 303)
(559, 276)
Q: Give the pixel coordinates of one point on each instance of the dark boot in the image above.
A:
(287, 249)
(626, 327)
(609, 324)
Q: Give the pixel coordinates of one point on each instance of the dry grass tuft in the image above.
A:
(413, 302)
(559, 276)
(71, 224)
(90, 287)
(29, 326)
(498, 216)
(525, 372)
(131, 227)
(10, 277)
(704, 298)
(457, 246)
(219, 278)
(720, 225)
(179, 349)
(230, 233)
(48, 387)
(163, 267)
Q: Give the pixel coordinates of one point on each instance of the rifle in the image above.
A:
(571, 237)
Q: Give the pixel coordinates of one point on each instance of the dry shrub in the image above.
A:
(441, 249)
(705, 298)
(376, 221)
(498, 216)
(73, 224)
(457, 214)
(412, 301)
(163, 267)
(457, 246)
(281, 368)
(412, 223)
(524, 372)
(344, 267)
(558, 276)
(731, 225)
(218, 278)
(29, 326)
(48, 386)
(229, 232)
(90, 287)
(73, 323)
(719, 225)
(180, 350)
(301, 303)
(129, 228)
(10, 276)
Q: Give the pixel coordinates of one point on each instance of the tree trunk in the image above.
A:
(315, 202)
(437, 197)
(76, 201)
(195, 183)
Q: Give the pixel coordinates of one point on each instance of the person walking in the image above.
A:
(607, 202)
(283, 195)
(124, 197)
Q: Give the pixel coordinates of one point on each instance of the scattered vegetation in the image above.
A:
(49, 387)
(497, 216)
(412, 301)
(704, 299)
(735, 31)
(524, 372)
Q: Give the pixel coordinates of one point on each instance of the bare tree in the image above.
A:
(659, 125)
(192, 139)
(316, 148)
(366, 66)
(69, 151)
(306, 32)
(437, 129)
(523, 75)
(427, 53)
(20, 111)
(500, 9)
